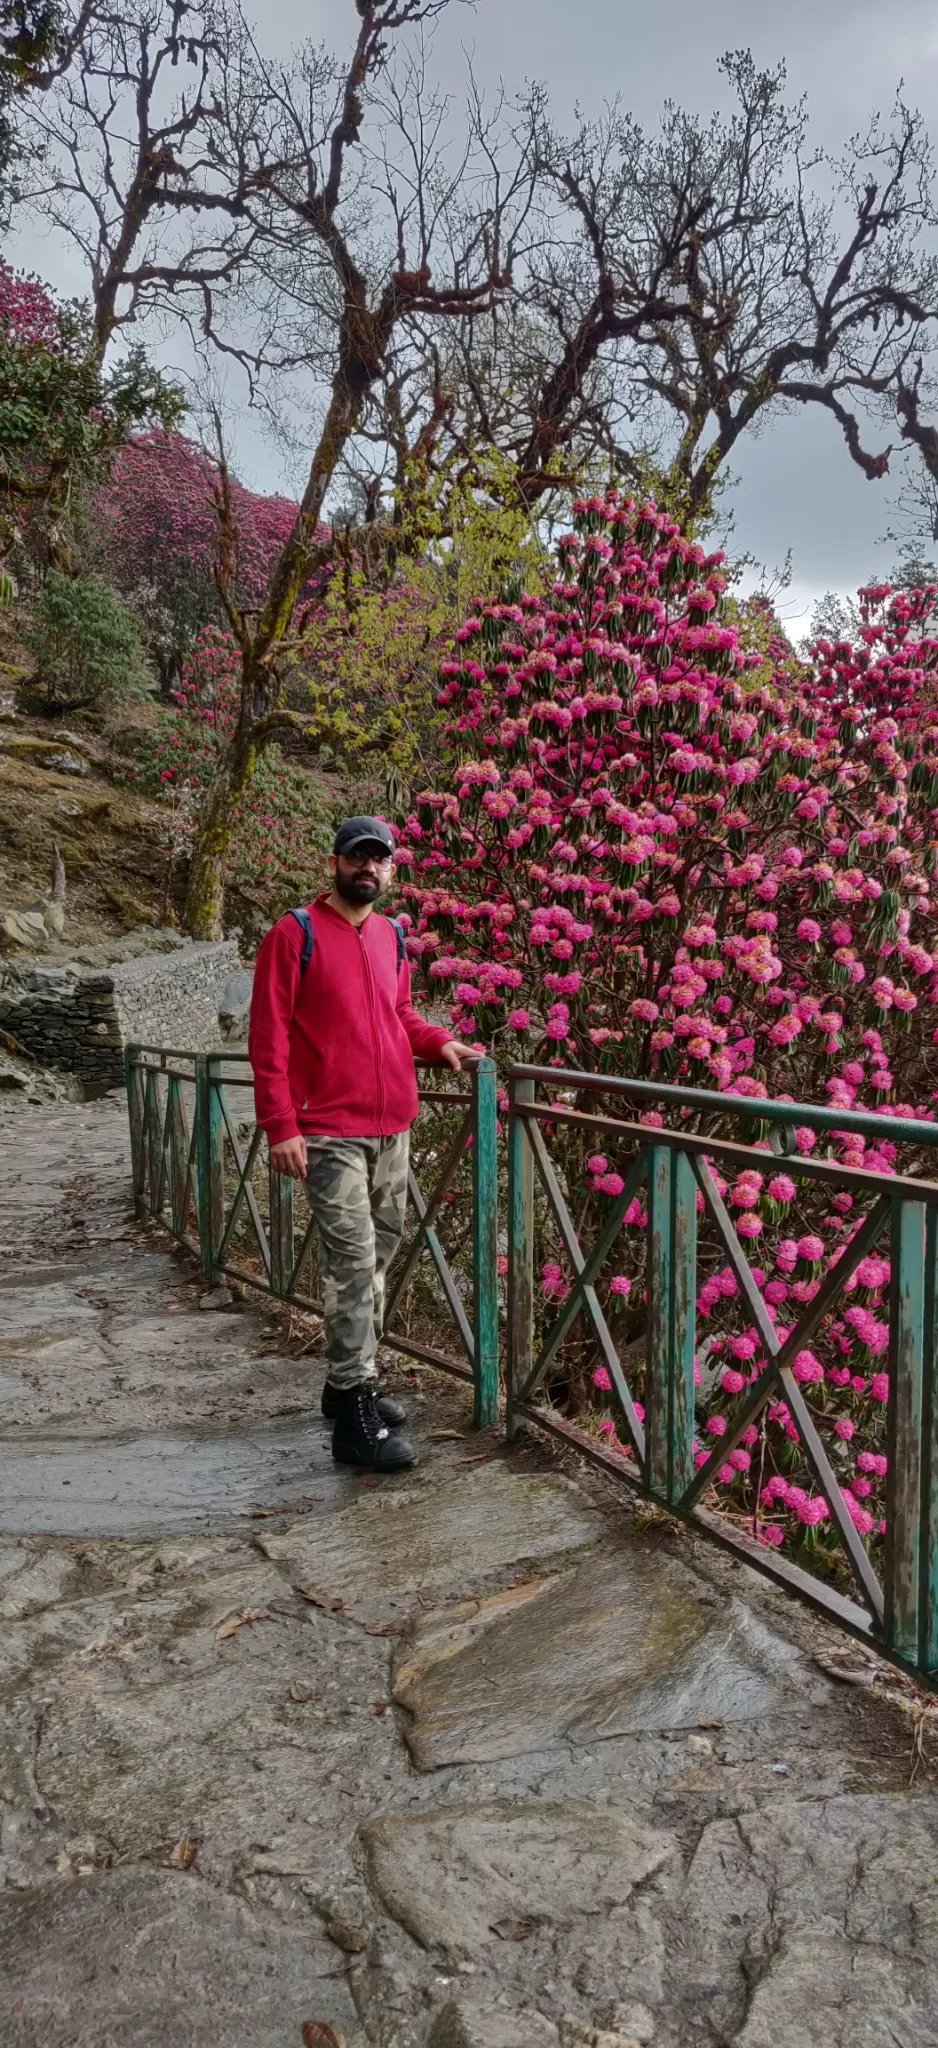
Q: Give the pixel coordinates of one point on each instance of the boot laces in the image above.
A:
(370, 1419)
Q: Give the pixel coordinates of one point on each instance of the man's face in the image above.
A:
(363, 873)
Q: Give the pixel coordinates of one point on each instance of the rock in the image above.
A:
(634, 2021)
(382, 1552)
(462, 2024)
(25, 928)
(650, 1644)
(452, 1876)
(576, 2033)
(349, 1936)
(217, 1297)
(65, 763)
(54, 918)
(824, 1992)
(837, 1901)
(234, 1005)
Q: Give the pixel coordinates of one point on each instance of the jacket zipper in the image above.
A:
(369, 984)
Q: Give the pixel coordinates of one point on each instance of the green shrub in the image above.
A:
(85, 643)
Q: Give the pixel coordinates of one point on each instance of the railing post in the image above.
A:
(152, 1137)
(178, 1155)
(658, 1278)
(209, 1163)
(683, 1326)
(928, 1544)
(281, 1231)
(520, 1251)
(485, 1244)
(133, 1080)
(672, 1308)
(907, 1355)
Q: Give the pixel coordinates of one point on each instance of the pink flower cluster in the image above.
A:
(28, 314)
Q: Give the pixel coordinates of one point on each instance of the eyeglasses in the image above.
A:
(365, 857)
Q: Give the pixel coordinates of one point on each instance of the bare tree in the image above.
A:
(362, 234)
(129, 169)
(675, 289)
(726, 270)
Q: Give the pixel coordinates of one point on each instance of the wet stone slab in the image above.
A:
(204, 1700)
(406, 1541)
(160, 1959)
(627, 1641)
(136, 1484)
(465, 1878)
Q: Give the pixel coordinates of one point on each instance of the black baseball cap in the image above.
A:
(363, 832)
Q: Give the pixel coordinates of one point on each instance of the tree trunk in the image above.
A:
(205, 893)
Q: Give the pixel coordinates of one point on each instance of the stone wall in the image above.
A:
(80, 1018)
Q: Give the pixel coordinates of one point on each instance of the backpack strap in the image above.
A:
(305, 923)
(398, 931)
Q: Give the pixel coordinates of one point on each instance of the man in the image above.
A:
(332, 1042)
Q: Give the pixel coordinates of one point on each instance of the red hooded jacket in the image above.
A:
(333, 1050)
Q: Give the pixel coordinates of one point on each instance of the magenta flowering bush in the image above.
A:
(662, 853)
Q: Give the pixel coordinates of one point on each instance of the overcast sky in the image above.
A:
(797, 489)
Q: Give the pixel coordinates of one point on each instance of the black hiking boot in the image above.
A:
(361, 1438)
(390, 1411)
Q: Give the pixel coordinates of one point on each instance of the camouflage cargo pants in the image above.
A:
(357, 1191)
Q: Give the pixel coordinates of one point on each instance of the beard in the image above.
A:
(357, 888)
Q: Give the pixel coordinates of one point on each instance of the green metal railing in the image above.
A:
(892, 1602)
(200, 1169)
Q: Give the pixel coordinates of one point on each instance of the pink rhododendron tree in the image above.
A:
(156, 526)
(62, 416)
(28, 314)
(661, 854)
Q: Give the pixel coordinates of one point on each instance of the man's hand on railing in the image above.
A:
(290, 1157)
(457, 1055)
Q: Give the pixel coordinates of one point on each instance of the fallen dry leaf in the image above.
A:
(847, 1674)
(321, 1600)
(480, 1458)
(319, 2034)
(300, 1692)
(390, 1628)
(514, 1930)
(261, 1514)
(236, 1621)
(184, 1854)
(446, 1436)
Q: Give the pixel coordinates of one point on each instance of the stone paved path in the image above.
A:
(478, 1758)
